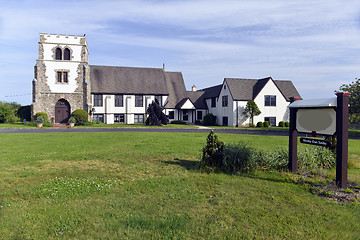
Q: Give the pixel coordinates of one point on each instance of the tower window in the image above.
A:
(62, 77)
(66, 54)
(58, 54)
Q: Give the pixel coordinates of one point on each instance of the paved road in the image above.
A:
(171, 130)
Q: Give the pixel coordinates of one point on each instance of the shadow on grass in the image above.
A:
(187, 164)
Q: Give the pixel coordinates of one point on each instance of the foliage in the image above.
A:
(251, 110)
(24, 112)
(81, 116)
(72, 120)
(8, 112)
(212, 152)
(266, 124)
(281, 124)
(354, 98)
(156, 115)
(287, 124)
(43, 114)
(260, 124)
(354, 117)
(209, 120)
(237, 158)
(40, 119)
(251, 125)
(178, 122)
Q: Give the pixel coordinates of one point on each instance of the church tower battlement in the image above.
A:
(61, 76)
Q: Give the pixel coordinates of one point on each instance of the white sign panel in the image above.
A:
(321, 120)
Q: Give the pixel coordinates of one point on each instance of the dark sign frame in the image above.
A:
(342, 125)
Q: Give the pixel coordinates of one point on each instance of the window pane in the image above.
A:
(213, 102)
(158, 100)
(225, 101)
(171, 115)
(66, 54)
(58, 54)
(138, 100)
(59, 77)
(65, 77)
(199, 115)
(98, 100)
(119, 101)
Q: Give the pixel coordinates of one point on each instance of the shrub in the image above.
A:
(281, 124)
(24, 112)
(287, 124)
(251, 125)
(177, 122)
(198, 122)
(266, 124)
(313, 157)
(40, 119)
(81, 116)
(209, 120)
(212, 152)
(155, 115)
(260, 124)
(72, 120)
(43, 114)
(237, 157)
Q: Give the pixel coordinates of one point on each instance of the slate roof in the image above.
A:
(128, 80)
(246, 89)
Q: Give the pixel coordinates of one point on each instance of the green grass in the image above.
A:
(148, 186)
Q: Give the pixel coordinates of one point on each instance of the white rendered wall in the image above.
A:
(225, 111)
(62, 38)
(279, 111)
(52, 67)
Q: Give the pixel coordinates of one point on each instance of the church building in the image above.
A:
(64, 81)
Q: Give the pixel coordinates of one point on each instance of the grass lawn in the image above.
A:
(148, 186)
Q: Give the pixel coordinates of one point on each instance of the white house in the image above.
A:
(228, 101)
(64, 81)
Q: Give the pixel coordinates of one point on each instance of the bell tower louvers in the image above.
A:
(61, 77)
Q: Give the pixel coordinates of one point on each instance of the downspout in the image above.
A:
(237, 113)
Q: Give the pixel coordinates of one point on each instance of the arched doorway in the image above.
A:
(62, 111)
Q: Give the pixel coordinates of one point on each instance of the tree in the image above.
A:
(156, 115)
(251, 110)
(8, 112)
(354, 99)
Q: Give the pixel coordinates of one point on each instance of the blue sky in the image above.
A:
(316, 44)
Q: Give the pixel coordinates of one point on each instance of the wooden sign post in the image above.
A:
(317, 117)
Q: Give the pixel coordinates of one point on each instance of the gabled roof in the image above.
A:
(212, 91)
(176, 88)
(128, 80)
(247, 89)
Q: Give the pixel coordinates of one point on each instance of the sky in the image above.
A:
(315, 44)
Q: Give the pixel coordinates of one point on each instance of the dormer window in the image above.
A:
(58, 54)
(66, 54)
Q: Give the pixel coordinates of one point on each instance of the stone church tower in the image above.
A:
(61, 77)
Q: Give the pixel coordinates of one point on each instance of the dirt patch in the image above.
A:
(325, 187)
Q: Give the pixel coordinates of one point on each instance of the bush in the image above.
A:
(198, 122)
(237, 157)
(212, 152)
(281, 124)
(287, 124)
(43, 114)
(24, 112)
(266, 124)
(209, 120)
(155, 115)
(178, 122)
(260, 124)
(251, 125)
(81, 116)
(72, 120)
(40, 119)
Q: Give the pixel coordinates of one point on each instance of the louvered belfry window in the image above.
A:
(58, 54)
(66, 54)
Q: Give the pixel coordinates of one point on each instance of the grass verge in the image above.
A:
(148, 185)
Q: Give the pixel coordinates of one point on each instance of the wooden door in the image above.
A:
(62, 111)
